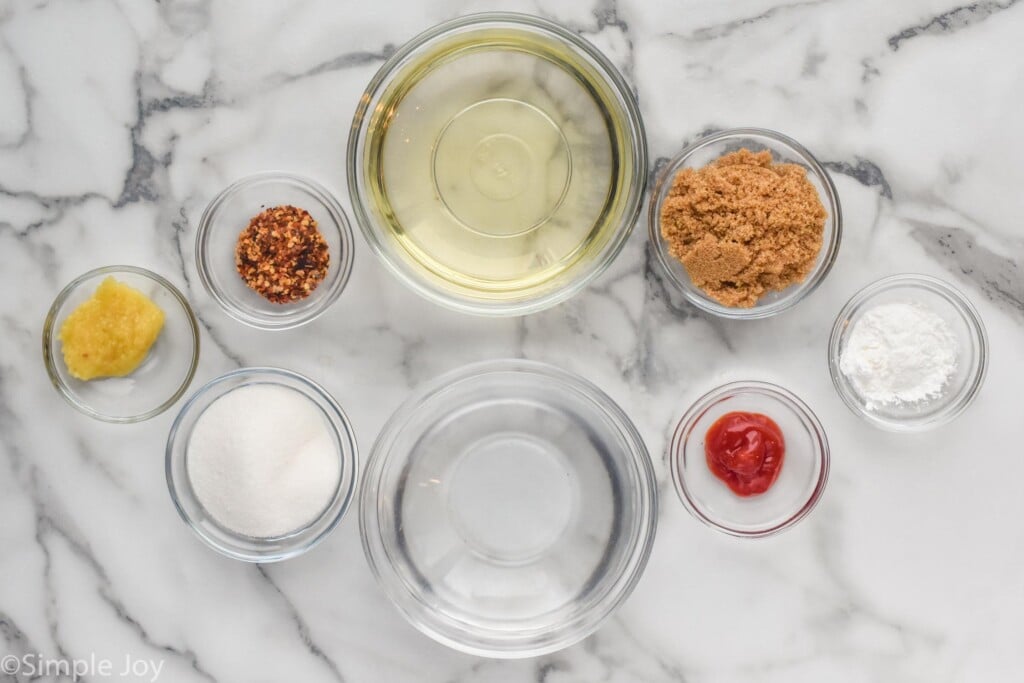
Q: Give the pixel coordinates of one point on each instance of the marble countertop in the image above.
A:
(120, 119)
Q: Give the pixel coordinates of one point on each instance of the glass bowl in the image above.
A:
(508, 508)
(783, 150)
(963, 321)
(801, 481)
(229, 213)
(496, 163)
(209, 530)
(163, 376)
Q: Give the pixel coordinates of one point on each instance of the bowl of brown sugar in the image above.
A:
(745, 223)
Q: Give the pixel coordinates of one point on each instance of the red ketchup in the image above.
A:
(745, 450)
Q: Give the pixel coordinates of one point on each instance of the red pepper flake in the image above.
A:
(281, 255)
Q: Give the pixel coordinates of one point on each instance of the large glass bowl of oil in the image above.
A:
(497, 163)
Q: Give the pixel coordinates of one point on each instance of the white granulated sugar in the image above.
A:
(262, 461)
(899, 353)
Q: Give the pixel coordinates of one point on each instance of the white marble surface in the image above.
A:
(120, 119)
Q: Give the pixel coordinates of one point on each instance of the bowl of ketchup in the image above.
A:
(749, 459)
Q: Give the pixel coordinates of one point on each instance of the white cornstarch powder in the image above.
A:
(899, 353)
(262, 461)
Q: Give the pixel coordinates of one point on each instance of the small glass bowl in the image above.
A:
(508, 508)
(963, 320)
(163, 376)
(784, 150)
(229, 213)
(223, 539)
(804, 468)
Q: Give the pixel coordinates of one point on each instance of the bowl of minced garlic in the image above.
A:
(745, 223)
(120, 343)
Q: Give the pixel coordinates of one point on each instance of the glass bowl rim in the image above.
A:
(633, 124)
(814, 278)
(339, 422)
(339, 219)
(51, 320)
(958, 300)
(451, 632)
(684, 429)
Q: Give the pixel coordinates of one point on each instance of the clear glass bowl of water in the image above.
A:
(508, 508)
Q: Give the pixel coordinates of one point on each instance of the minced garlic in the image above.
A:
(110, 334)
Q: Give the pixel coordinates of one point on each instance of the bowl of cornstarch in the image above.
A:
(261, 464)
(908, 353)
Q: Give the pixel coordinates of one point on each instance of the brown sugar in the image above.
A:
(743, 226)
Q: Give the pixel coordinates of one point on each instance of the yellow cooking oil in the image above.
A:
(494, 162)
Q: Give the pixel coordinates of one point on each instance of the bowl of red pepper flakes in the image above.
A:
(282, 255)
(274, 250)
(749, 459)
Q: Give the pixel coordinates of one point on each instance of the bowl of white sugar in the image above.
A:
(908, 353)
(261, 464)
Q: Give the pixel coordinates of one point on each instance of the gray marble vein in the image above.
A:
(727, 28)
(951, 20)
(301, 626)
